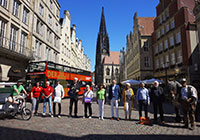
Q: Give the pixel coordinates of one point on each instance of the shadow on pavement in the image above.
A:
(20, 134)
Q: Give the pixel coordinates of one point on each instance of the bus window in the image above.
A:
(37, 67)
(59, 68)
(51, 66)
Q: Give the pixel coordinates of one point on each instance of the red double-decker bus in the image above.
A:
(43, 71)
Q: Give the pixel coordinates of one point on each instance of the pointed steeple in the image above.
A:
(102, 28)
(102, 50)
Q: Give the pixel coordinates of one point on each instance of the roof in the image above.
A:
(113, 58)
(145, 24)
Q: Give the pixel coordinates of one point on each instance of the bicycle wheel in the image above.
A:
(26, 114)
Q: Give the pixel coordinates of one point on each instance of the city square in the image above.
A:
(79, 128)
(115, 69)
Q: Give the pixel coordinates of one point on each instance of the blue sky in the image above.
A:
(86, 14)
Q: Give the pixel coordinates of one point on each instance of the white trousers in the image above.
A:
(101, 108)
(128, 108)
(114, 103)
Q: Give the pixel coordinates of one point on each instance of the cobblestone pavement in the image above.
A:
(79, 128)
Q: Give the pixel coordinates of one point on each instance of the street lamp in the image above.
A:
(165, 66)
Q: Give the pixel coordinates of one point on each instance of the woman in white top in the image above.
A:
(87, 101)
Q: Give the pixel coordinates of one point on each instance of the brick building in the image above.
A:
(174, 40)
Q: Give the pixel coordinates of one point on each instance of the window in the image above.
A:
(25, 15)
(37, 51)
(167, 60)
(157, 63)
(179, 57)
(41, 10)
(2, 32)
(56, 27)
(161, 47)
(51, 4)
(178, 38)
(147, 61)
(161, 62)
(116, 70)
(163, 17)
(13, 38)
(172, 24)
(166, 44)
(56, 42)
(160, 20)
(156, 49)
(50, 36)
(36, 48)
(167, 28)
(39, 27)
(173, 61)
(146, 46)
(49, 20)
(167, 13)
(15, 8)
(47, 35)
(158, 34)
(171, 41)
(48, 54)
(107, 71)
(23, 42)
(57, 13)
(162, 31)
(4, 3)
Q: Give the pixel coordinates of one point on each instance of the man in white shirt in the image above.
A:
(189, 98)
(58, 95)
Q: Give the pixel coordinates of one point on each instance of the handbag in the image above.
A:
(88, 100)
(57, 100)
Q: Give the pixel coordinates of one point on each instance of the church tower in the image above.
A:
(102, 50)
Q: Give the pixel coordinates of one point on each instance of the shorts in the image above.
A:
(16, 98)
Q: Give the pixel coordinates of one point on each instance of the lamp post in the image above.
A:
(165, 66)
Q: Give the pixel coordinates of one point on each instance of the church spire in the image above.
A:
(102, 50)
(102, 28)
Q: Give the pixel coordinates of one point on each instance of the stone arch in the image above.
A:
(16, 73)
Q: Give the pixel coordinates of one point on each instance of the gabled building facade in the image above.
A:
(138, 49)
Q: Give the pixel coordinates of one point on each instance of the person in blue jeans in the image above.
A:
(48, 91)
(114, 96)
(143, 99)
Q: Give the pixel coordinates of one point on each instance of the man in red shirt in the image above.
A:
(48, 91)
(35, 97)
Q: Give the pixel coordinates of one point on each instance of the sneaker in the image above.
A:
(99, 118)
(83, 117)
(90, 117)
(117, 119)
(112, 118)
(43, 114)
(59, 116)
(102, 119)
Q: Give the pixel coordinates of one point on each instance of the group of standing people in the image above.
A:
(49, 93)
(143, 98)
